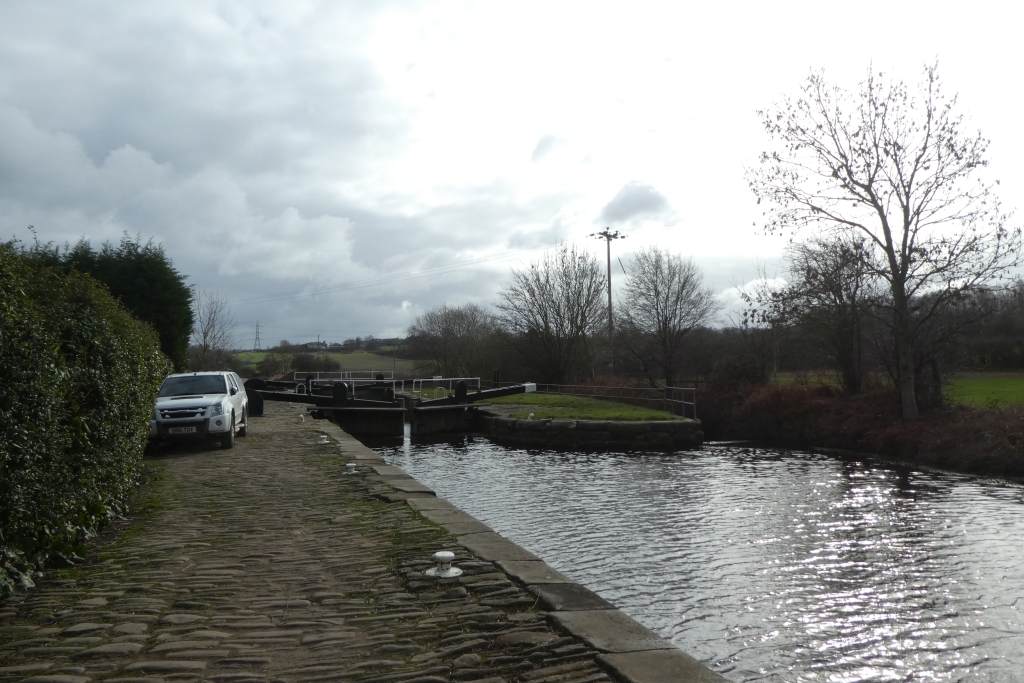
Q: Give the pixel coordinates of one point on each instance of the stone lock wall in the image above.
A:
(595, 435)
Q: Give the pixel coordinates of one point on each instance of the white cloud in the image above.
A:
(283, 147)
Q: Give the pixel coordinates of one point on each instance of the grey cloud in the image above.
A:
(632, 201)
(249, 89)
(224, 131)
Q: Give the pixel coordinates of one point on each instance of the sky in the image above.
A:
(335, 169)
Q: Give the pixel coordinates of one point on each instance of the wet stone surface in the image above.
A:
(268, 563)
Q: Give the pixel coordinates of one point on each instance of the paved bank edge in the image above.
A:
(630, 651)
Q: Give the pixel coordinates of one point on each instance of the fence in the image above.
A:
(441, 384)
(344, 375)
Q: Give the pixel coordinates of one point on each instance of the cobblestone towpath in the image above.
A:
(271, 563)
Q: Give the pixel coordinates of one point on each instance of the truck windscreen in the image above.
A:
(193, 384)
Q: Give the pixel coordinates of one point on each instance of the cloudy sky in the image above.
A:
(336, 168)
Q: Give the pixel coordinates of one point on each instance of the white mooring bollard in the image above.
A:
(444, 568)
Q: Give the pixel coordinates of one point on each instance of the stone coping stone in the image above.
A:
(658, 666)
(462, 528)
(431, 503)
(360, 456)
(399, 497)
(592, 425)
(443, 515)
(609, 630)
(569, 597)
(390, 471)
(492, 547)
(410, 486)
(387, 479)
(533, 572)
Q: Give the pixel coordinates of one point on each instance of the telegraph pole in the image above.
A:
(607, 235)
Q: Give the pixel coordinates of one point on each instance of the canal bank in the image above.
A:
(769, 565)
(593, 435)
(268, 563)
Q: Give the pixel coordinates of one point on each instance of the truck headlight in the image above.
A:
(217, 409)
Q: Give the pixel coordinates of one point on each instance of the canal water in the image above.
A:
(767, 565)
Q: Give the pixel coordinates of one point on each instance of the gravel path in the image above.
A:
(268, 563)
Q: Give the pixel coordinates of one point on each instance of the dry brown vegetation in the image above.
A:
(986, 441)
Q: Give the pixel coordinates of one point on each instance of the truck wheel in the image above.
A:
(243, 429)
(227, 440)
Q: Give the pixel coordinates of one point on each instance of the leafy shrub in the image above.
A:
(273, 364)
(78, 377)
(139, 276)
(307, 362)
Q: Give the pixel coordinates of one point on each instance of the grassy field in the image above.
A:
(983, 389)
(362, 360)
(577, 408)
(987, 389)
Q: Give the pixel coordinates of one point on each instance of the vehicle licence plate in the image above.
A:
(181, 430)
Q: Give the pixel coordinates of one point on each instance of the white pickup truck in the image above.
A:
(204, 404)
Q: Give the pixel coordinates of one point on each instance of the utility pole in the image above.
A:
(256, 344)
(607, 235)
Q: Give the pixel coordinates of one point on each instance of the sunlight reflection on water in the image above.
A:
(767, 565)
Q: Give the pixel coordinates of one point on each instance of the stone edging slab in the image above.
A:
(595, 435)
(630, 651)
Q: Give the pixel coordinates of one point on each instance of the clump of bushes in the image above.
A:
(78, 377)
(307, 362)
(815, 415)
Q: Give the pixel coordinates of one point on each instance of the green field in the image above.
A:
(362, 360)
(996, 390)
(577, 408)
(983, 389)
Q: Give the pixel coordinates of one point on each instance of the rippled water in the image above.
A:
(767, 565)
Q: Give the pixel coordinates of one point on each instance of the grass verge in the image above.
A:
(577, 408)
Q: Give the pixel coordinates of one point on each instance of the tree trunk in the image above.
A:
(905, 353)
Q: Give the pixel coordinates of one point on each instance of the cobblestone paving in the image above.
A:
(268, 563)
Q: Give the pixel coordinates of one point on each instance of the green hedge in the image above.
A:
(78, 377)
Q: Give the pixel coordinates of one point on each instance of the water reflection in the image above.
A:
(767, 565)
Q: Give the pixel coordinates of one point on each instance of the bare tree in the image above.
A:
(552, 309)
(663, 301)
(453, 338)
(900, 168)
(829, 292)
(213, 332)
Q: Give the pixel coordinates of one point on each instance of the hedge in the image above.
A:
(78, 378)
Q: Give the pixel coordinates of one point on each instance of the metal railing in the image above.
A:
(676, 396)
(446, 384)
(343, 375)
